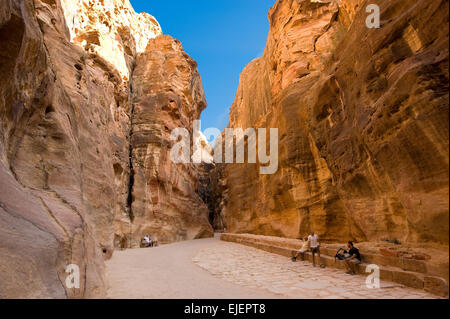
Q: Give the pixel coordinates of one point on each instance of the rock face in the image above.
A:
(167, 94)
(66, 112)
(363, 124)
(110, 29)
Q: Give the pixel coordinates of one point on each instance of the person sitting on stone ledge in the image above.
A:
(352, 258)
(147, 241)
(154, 241)
(302, 251)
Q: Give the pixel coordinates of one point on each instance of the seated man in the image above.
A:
(352, 258)
(150, 239)
(303, 250)
(147, 241)
(154, 240)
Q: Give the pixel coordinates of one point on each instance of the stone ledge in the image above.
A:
(390, 269)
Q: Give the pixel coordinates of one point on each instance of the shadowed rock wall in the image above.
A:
(66, 112)
(167, 94)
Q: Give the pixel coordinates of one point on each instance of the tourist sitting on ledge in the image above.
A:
(352, 258)
(147, 242)
(302, 251)
(154, 241)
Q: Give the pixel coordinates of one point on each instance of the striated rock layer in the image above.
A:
(65, 152)
(167, 94)
(111, 29)
(363, 124)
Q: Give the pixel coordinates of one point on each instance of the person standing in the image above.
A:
(314, 246)
(147, 241)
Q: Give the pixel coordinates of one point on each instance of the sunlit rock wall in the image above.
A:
(363, 124)
(168, 94)
(66, 113)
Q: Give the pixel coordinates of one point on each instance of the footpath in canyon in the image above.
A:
(214, 269)
(91, 91)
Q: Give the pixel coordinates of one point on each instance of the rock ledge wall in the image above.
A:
(363, 124)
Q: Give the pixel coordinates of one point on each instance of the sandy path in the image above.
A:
(169, 272)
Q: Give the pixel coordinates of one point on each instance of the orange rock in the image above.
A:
(389, 252)
(421, 256)
(362, 118)
(168, 94)
(65, 132)
(436, 286)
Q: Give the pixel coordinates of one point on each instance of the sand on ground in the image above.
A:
(168, 272)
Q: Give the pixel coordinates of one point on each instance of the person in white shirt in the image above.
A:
(314, 246)
(147, 241)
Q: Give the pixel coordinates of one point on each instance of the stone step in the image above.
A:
(389, 271)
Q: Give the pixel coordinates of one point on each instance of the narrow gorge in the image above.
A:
(91, 92)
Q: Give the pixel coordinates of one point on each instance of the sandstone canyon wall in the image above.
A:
(363, 124)
(82, 118)
(168, 94)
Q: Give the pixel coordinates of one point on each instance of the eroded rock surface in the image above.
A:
(66, 121)
(168, 94)
(111, 29)
(363, 124)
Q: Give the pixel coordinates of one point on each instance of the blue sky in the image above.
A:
(223, 36)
